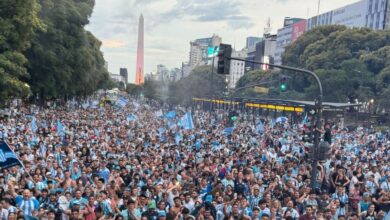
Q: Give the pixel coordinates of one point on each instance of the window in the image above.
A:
(376, 5)
(370, 7)
(378, 18)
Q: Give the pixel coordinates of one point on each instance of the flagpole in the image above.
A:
(21, 163)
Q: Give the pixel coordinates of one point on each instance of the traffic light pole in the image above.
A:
(318, 106)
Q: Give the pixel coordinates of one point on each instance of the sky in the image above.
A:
(170, 25)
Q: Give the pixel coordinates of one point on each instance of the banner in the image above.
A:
(7, 156)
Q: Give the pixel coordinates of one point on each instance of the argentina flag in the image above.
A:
(122, 102)
(7, 156)
(186, 121)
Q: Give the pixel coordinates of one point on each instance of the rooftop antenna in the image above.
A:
(307, 15)
(268, 27)
(318, 9)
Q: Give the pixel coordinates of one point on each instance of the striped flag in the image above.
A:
(186, 121)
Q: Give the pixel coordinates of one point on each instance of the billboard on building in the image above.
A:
(289, 21)
(298, 29)
(352, 15)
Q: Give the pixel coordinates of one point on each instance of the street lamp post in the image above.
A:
(318, 107)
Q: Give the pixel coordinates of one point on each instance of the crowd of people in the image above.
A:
(97, 163)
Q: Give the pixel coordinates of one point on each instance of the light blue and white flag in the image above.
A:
(178, 138)
(158, 113)
(170, 115)
(131, 117)
(304, 121)
(228, 131)
(34, 126)
(8, 158)
(60, 128)
(171, 124)
(186, 121)
(122, 102)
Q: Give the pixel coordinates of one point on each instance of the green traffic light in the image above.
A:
(283, 87)
(234, 118)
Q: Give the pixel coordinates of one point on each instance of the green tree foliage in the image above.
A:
(65, 59)
(267, 79)
(197, 84)
(18, 23)
(351, 63)
(133, 89)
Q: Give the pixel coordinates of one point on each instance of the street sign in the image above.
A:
(263, 90)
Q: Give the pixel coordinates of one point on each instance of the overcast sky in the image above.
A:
(171, 24)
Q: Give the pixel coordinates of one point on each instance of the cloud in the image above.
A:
(113, 43)
(208, 11)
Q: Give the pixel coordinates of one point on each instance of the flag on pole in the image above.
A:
(186, 121)
(171, 114)
(8, 157)
(304, 121)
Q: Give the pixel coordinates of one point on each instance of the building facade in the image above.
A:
(265, 51)
(365, 13)
(322, 19)
(199, 50)
(237, 68)
(123, 72)
(251, 42)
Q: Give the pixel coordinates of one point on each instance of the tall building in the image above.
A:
(123, 72)
(264, 52)
(287, 35)
(365, 13)
(162, 73)
(387, 15)
(251, 42)
(199, 50)
(139, 70)
(237, 68)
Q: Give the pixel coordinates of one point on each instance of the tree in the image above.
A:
(133, 89)
(18, 24)
(65, 60)
(351, 63)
